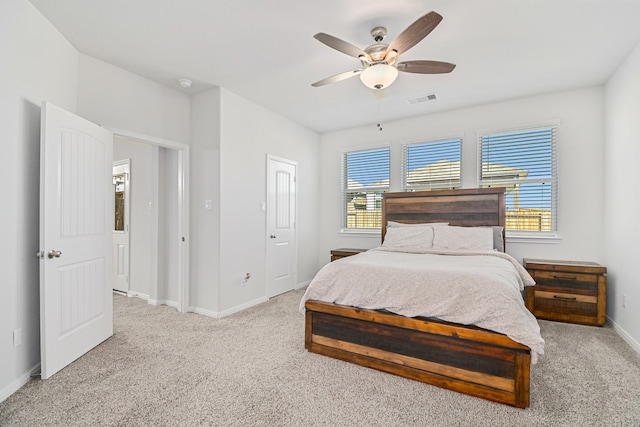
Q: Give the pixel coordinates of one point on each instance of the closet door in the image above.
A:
(281, 216)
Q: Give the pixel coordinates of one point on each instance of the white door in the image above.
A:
(121, 236)
(76, 205)
(281, 216)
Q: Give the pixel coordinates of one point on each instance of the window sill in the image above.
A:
(365, 232)
(546, 238)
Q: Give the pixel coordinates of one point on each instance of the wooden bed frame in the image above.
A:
(466, 359)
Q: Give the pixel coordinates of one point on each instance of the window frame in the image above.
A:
(521, 235)
(344, 190)
(405, 164)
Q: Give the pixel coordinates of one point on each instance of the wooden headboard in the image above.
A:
(468, 207)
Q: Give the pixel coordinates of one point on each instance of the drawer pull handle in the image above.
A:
(567, 298)
(565, 277)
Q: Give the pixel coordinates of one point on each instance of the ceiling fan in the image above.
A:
(379, 61)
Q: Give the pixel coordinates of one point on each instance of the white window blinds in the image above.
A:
(432, 165)
(525, 162)
(365, 176)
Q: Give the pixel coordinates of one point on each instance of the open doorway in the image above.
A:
(121, 235)
(158, 225)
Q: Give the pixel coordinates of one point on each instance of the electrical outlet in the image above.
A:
(624, 300)
(17, 337)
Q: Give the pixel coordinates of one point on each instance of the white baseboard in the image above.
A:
(238, 308)
(221, 314)
(157, 302)
(241, 307)
(204, 312)
(625, 336)
(17, 384)
(138, 295)
(302, 285)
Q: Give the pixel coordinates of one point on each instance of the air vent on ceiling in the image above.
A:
(422, 98)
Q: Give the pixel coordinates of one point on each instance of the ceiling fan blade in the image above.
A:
(336, 78)
(415, 32)
(425, 67)
(341, 45)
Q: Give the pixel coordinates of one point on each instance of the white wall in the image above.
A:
(121, 100)
(622, 196)
(248, 133)
(167, 231)
(231, 138)
(205, 185)
(37, 64)
(579, 115)
(117, 98)
(154, 220)
(142, 210)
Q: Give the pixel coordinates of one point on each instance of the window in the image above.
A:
(365, 176)
(433, 165)
(524, 161)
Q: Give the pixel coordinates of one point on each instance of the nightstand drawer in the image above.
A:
(568, 288)
(549, 304)
(566, 280)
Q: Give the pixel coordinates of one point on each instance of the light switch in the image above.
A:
(263, 206)
(208, 205)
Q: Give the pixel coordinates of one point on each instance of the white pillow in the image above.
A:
(404, 237)
(463, 238)
(419, 224)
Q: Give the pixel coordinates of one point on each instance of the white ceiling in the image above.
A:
(264, 50)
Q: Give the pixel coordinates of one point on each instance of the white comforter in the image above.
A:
(471, 288)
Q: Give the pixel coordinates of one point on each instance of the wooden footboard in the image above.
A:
(465, 359)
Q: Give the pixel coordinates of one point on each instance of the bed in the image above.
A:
(461, 357)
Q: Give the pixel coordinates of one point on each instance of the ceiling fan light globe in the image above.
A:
(379, 76)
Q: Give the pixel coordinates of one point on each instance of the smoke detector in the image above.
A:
(185, 83)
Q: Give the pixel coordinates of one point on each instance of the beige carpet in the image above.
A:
(162, 368)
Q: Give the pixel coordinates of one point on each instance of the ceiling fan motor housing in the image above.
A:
(376, 54)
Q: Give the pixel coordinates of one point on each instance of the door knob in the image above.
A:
(54, 254)
(273, 236)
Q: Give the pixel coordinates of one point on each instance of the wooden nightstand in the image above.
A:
(568, 291)
(344, 252)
